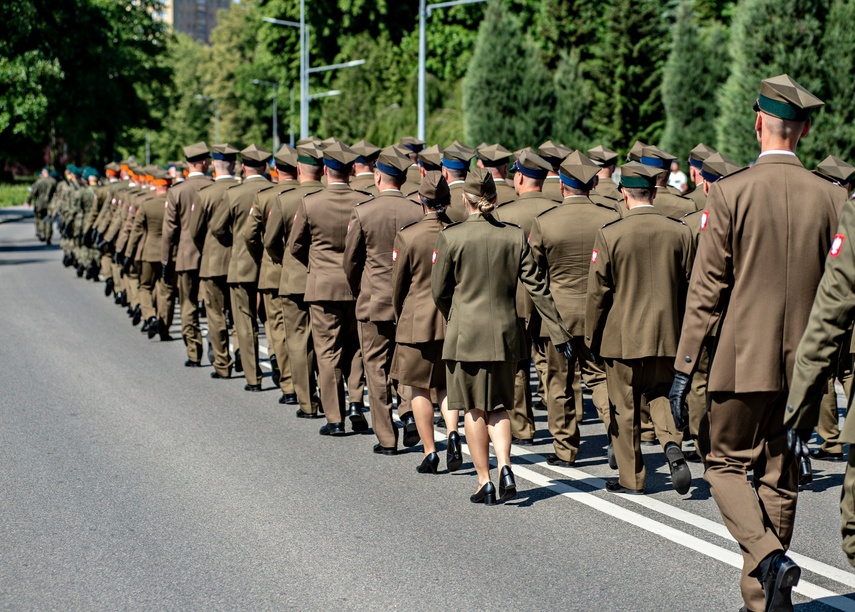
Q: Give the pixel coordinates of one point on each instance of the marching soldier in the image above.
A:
(697, 156)
(456, 159)
(494, 158)
(667, 202)
(39, 198)
(606, 159)
(363, 167)
(553, 153)
(414, 147)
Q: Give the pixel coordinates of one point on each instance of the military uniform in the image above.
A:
(456, 157)
(553, 153)
(40, 196)
(606, 159)
(697, 156)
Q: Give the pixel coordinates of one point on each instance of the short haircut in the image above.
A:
(455, 175)
(641, 194)
(338, 175)
(783, 128)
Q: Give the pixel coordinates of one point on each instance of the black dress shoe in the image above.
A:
(539, 405)
(253, 388)
(275, 373)
(152, 327)
(192, 364)
(238, 364)
(108, 287)
(554, 459)
(92, 272)
(358, 421)
(429, 464)
(81, 270)
(681, 476)
(453, 454)
(485, 495)
(821, 455)
(307, 415)
(523, 441)
(144, 327)
(289, 398)
(411, 432)
(507, 484)
(130, 310)
(384, 450)
(332, 429)
(137, 316)
(124, 301)
(217, 375)
(163, 331)
(117, 298)
(610, 455)
(693, 457)
(613, 486)
(778, 583)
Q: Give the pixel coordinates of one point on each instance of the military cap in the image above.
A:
(634, 154)
(602, 156)
(431, 158)
(222, 152)
(699, 154)
(835, 170)
(493, 155)
(394, 162)
(160, 176)
(554, 153)
(519, 152)
(434, 186)
(181, 165)
(479, 182)
(635, 175)
(457, 156)
(196, 152)
(76, 170)
(656, 157)
(717, 166)
(112, 169)
(90, 171)
(328, 142)
(412, 144)
(532, 165)
(254, 156)
(367, 152)
(782, 97)
(309, 140)
(309, 153)
(339, 156)
(286, 157)
(578, 171)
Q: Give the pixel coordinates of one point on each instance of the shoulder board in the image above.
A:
(602, 205)
(618, 220)
(235, 186)
(694, 212)
(367, 193)
(450, 225)
(268, 188)
(363, 201)
(509, 224)
(408, 225)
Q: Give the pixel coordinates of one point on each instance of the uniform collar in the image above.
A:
(339, 186)
(224, 177)
(192, 174)
(577, 199)
(642, 210)
(772, 157)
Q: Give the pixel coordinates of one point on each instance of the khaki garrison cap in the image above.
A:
(638, 176)
(699, 154)
(603, 156)
(578, 171)
(479, 183)
(339, 156)
(112, 169)
(286, 157)
(411, 144)
(160, 176)
(494, 155)
(532, 165)
(656, 157)
(434, 186)
(367, 152)
(254, 156)
(394, 162)
(782, 97)
(717, 166)
(835, 170)
(457, 156)
(431, 158)
(196, 152)
(223, 152)
(554, 153)
(309, 153)
(634, 153)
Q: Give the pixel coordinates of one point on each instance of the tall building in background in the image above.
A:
(194, 17)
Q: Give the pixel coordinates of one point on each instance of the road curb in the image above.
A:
(14, 219)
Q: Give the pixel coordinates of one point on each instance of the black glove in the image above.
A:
(96, 237)
(117, 258)
(126, 266)
(566, 349)
(797, 440)
(677, 397)
(87, 238)
(101, 245)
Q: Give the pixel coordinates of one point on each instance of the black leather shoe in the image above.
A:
(152, 327)
(523, 441)
(411, 432)
(192, 364)
(163, 331)
(211, 356)
(693, 457)
(332, 429)
(507, 484)
(117, 298)
(453, 454)
(145, 326)
(238, 364)
(610, 454)
(124, 301)
(613, 486)
(92, 272)
(108, 287)
(137, 316)
(358, 421)
(384, 450)
(253, 388)
(539, 405)
(217, 375)
(554, 459)
(289, 398)
(306, 415)
(429, 464)
(130, 310)
(778, 583)
(81, 270)
(485, 495)
(276, 375)
(681, 476)
(821, 455)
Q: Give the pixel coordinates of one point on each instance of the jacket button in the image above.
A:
(688, 359)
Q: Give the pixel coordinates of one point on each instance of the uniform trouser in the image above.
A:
(539, 358)
(188, 293)
(149, 275)
(579, 399)
(828, 426)
(165, 294)
(336, 339)
(44, 225)
(216, 300)
(747, 433)
(301, 351)
(522, 417)
(274, 327)
(632, 384)
(847, 508)
(378, 345)
(107, 267)
(132, 285)
(245, 312)
(699, 422)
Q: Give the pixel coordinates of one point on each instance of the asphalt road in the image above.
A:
(130, 482)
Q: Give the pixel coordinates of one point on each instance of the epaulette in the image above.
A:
(370, 195)
(408, 225)
(512, 224)
(455, 224)
(363, 201)
(548, 210)
(618, 220)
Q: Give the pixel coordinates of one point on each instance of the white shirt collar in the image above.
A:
(776, 152)
(195, 174)
(456, 183)
(254, 176)
(395, 190)
(224, 177)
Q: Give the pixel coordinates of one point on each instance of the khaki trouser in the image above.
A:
(378, 345)
(216, 300)
(521, 416)
(301, 351)
(188, 293)
(107, 268)
(132, 285)
(149, 275)
(538, 355)
(747, 433)
(274, 327)
(632, 385)
(165, 293)
(847, 509)
(336, 339)
(699, 422)
(245, 313)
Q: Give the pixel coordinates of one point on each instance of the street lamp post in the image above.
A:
(275, 87)
(424, 13)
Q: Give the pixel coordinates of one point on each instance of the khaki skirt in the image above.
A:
(481, 385)
(419, 365)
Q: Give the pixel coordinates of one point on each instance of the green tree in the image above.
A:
(567, 25)
(572, 99)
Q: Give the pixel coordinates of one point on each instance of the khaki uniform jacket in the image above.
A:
(552, 188)
(419, 320)
(215, 255)
(561, 241)
(637, 284)
(120, 215)
(456, 211)
(364, 182)
(134, 204)
(176, 223)
(474, 283)
(759, 260)
(607, 188)
(522, 212)
(698, 196)
(414, 176)
(270, 272)
(148, 229)
(368, 252)
(292, 280)
(228, 222)
(317, 239)
(672, 205)
(505, 192)
(108, 207)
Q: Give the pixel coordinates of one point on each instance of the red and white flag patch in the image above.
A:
(594, 256)
(705, 217)
(433, 258)
(394, 255)
(837, 244)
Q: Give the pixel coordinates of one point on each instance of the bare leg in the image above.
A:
(423, 413)
(479, 443)
(499, 427)
(451, 417)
